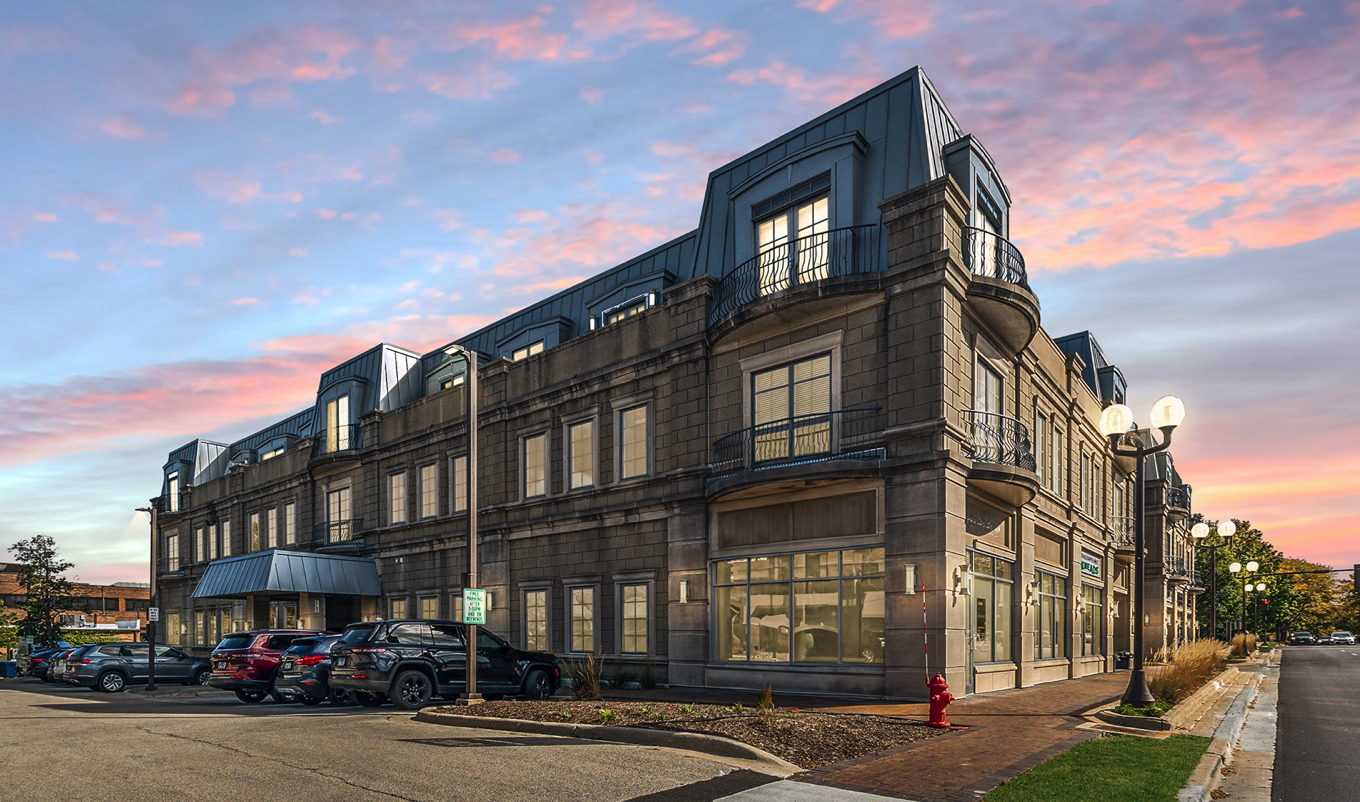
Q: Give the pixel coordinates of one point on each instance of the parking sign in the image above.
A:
(474, 606)
(153, 614)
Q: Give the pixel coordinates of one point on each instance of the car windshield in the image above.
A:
(358, 634)
(235, 642)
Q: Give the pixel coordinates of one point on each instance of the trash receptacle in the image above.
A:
(8, 669)
(1122, 661)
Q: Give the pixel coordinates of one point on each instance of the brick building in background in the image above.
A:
(120, 607)
(744, 455)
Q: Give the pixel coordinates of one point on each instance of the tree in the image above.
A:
(9, 632)
(1248, 544)
(49, 592)
(1313, 598)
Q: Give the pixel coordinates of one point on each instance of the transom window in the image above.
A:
(791, 409)
(812, 607)
(793, 243)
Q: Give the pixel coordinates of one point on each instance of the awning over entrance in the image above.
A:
(289, 572)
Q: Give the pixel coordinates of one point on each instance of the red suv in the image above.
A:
(246, 662)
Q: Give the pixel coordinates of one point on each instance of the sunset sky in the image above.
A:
(206, 205)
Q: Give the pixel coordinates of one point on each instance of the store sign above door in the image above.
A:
(1090, 564)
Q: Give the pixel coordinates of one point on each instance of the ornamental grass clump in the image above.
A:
(1187, 668)
(585, 677)
(1243, 644)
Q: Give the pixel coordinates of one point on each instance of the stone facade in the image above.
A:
(642, 496)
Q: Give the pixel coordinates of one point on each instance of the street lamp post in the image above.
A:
(1199, 532)
(1255, 609)
(470, 695)
(1236, 568)
(151, 625)
(1116, 422)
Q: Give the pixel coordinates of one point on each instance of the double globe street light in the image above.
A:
(1251, 567)
(1116, 422)
(1200, 532)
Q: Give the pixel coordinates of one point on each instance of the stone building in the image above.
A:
(750, 455)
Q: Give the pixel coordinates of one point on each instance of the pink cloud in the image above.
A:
(515, 39)
(324, 118)
(591, 94)
(148, 224)
(475, 81)
(63, 256)
(124, 126)
(602, 19)
(718, 46)
(901, 19)
(827, 89)
(505, 156)
(246, 302)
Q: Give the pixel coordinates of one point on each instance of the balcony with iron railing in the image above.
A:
(336, 448)
(1196, 582)
(1177, 569)
(848, 434)
(1178, 500)
(999, 290)
(1003, 460)
(339, 533)
(798, 263)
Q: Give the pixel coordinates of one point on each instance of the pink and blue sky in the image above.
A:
(205, 206)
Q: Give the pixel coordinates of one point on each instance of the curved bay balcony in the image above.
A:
(1178, 569)
(1000, 289)
(1125, 537)
(800, 262)
(337, 535)
(847, 434)
(336, 448)
(1003, 461)
(1178, 501)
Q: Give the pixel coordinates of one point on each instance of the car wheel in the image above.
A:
(411, 690)
(283, 697)
(112, 682)
(251, 697)
(201, 677)
(341, 698)
(537, 685)
(369, 699)
(311, 700)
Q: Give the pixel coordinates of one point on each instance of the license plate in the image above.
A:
(222, 664)
(339, 661)
(287, 666)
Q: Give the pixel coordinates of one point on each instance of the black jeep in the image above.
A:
(411, 661)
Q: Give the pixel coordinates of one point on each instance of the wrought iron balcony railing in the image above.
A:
(845, 434)
(997, 439)
(329, 533)
(1125, 535)
(1177, 569)
(1196, 582)
(798, 262)
(1178, 496)
(988, 254)
(337, 439)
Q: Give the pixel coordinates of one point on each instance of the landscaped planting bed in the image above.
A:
(804, 738)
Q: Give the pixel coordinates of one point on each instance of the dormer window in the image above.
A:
(172, 492)
(452, 382)
(527, 351)
(337, 424)
(625, 310)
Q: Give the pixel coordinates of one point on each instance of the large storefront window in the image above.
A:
(993, 599)
(1092, 621)
(1051, 640)
(813, 607)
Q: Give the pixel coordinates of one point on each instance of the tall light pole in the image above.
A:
(1236, 568)
(1255, 608)
(1116, 422)
(151, 625)
(1199, 532)
(470, 695)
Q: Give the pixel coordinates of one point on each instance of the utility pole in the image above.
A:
(470, 695)
(151, 604)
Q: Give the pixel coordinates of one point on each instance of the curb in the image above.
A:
(1206, 775)
(635, 736)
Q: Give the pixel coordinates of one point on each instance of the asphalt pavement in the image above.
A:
(64, 743)
(1317, 750)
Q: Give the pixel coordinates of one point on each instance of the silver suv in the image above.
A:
(113, 666)
(1344, 637)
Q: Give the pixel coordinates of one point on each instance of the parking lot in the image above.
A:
(66, 743)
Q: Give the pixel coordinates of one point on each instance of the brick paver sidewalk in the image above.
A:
(1008, 732)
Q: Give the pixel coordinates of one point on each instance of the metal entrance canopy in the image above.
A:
(289, 572)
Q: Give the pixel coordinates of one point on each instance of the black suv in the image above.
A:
(411, 661)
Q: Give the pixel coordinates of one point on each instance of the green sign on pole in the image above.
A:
(474, 606)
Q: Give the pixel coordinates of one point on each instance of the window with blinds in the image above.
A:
(792, 409)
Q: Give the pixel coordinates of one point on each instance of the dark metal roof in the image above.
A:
(289, 572)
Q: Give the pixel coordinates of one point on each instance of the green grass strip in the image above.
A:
(1115, 767)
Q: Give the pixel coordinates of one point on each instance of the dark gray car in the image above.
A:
(114, 666)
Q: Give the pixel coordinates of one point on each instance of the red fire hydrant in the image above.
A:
(939, 700)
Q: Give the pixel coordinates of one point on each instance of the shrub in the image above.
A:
(1243, 644)
(606, 715)
(649, 679)
(687, 708)
(1187, 667)
(585, 677)
(765, 701)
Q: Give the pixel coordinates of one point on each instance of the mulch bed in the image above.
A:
(805, 738)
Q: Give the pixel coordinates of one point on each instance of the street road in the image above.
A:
(1317, 752)
(70, 744)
